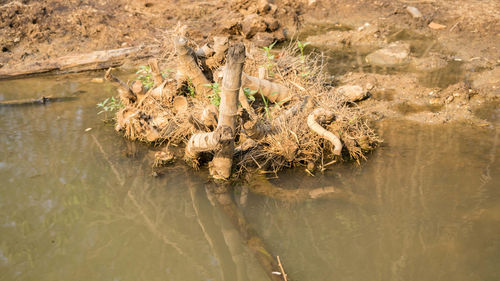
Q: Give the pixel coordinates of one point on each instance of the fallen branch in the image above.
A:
(322, 132)
(78, 63)
(39, 101)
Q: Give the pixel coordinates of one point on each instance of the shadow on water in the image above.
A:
(81, 204)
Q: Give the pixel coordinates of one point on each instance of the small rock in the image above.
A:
(17, 39)
(97, 80)
(353, 93)
(436, 26)
(449, 99)
(252, 24)
(395, 54)
(88, 129)
(262, 39)
(414, 12)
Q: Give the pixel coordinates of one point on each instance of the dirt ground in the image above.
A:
(467, 32)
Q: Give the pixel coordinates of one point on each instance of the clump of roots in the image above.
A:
(289, 114)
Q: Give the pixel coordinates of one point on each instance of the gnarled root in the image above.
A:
(274, 92)
(313, 124)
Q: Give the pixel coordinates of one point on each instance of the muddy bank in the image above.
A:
(429, 61)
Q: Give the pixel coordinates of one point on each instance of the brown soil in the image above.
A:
(38, 30)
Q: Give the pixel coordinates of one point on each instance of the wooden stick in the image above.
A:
(78, 63)
(281, 268)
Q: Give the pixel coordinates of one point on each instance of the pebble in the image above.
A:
(352, 93)
(414, 12)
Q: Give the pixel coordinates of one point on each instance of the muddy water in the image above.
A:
(81, 204)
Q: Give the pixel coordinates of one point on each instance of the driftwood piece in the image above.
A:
(78, 63)
(189, 68)
(274, 92)
(39, 101)
(228, 110)
(322, 132)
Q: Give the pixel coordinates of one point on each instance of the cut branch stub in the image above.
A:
(228, 109)
(155, 70)
(221, 45)
(204, 142)
(189, 68)
(313, 124)
(274, 92)
(125, 91)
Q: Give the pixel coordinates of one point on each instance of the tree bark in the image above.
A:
(228, 109)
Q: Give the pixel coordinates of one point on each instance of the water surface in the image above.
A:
(80, 204)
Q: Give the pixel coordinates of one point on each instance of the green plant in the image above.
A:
(249, 94)
(145, 76)
(165, 73)
(270, 57)
(266, 105)
(191, 90)
(214, 97)
(109, 105)
(301, 46)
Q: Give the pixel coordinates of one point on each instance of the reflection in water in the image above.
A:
(83, 205)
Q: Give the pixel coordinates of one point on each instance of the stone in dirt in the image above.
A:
(252, 24)
(353, 93)
(414, 12)
(262, 39)
(395, 54)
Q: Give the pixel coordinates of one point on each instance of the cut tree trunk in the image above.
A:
(78, 63)
(188, 67)
(228, 109)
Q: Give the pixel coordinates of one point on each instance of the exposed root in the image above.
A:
(312, 122)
